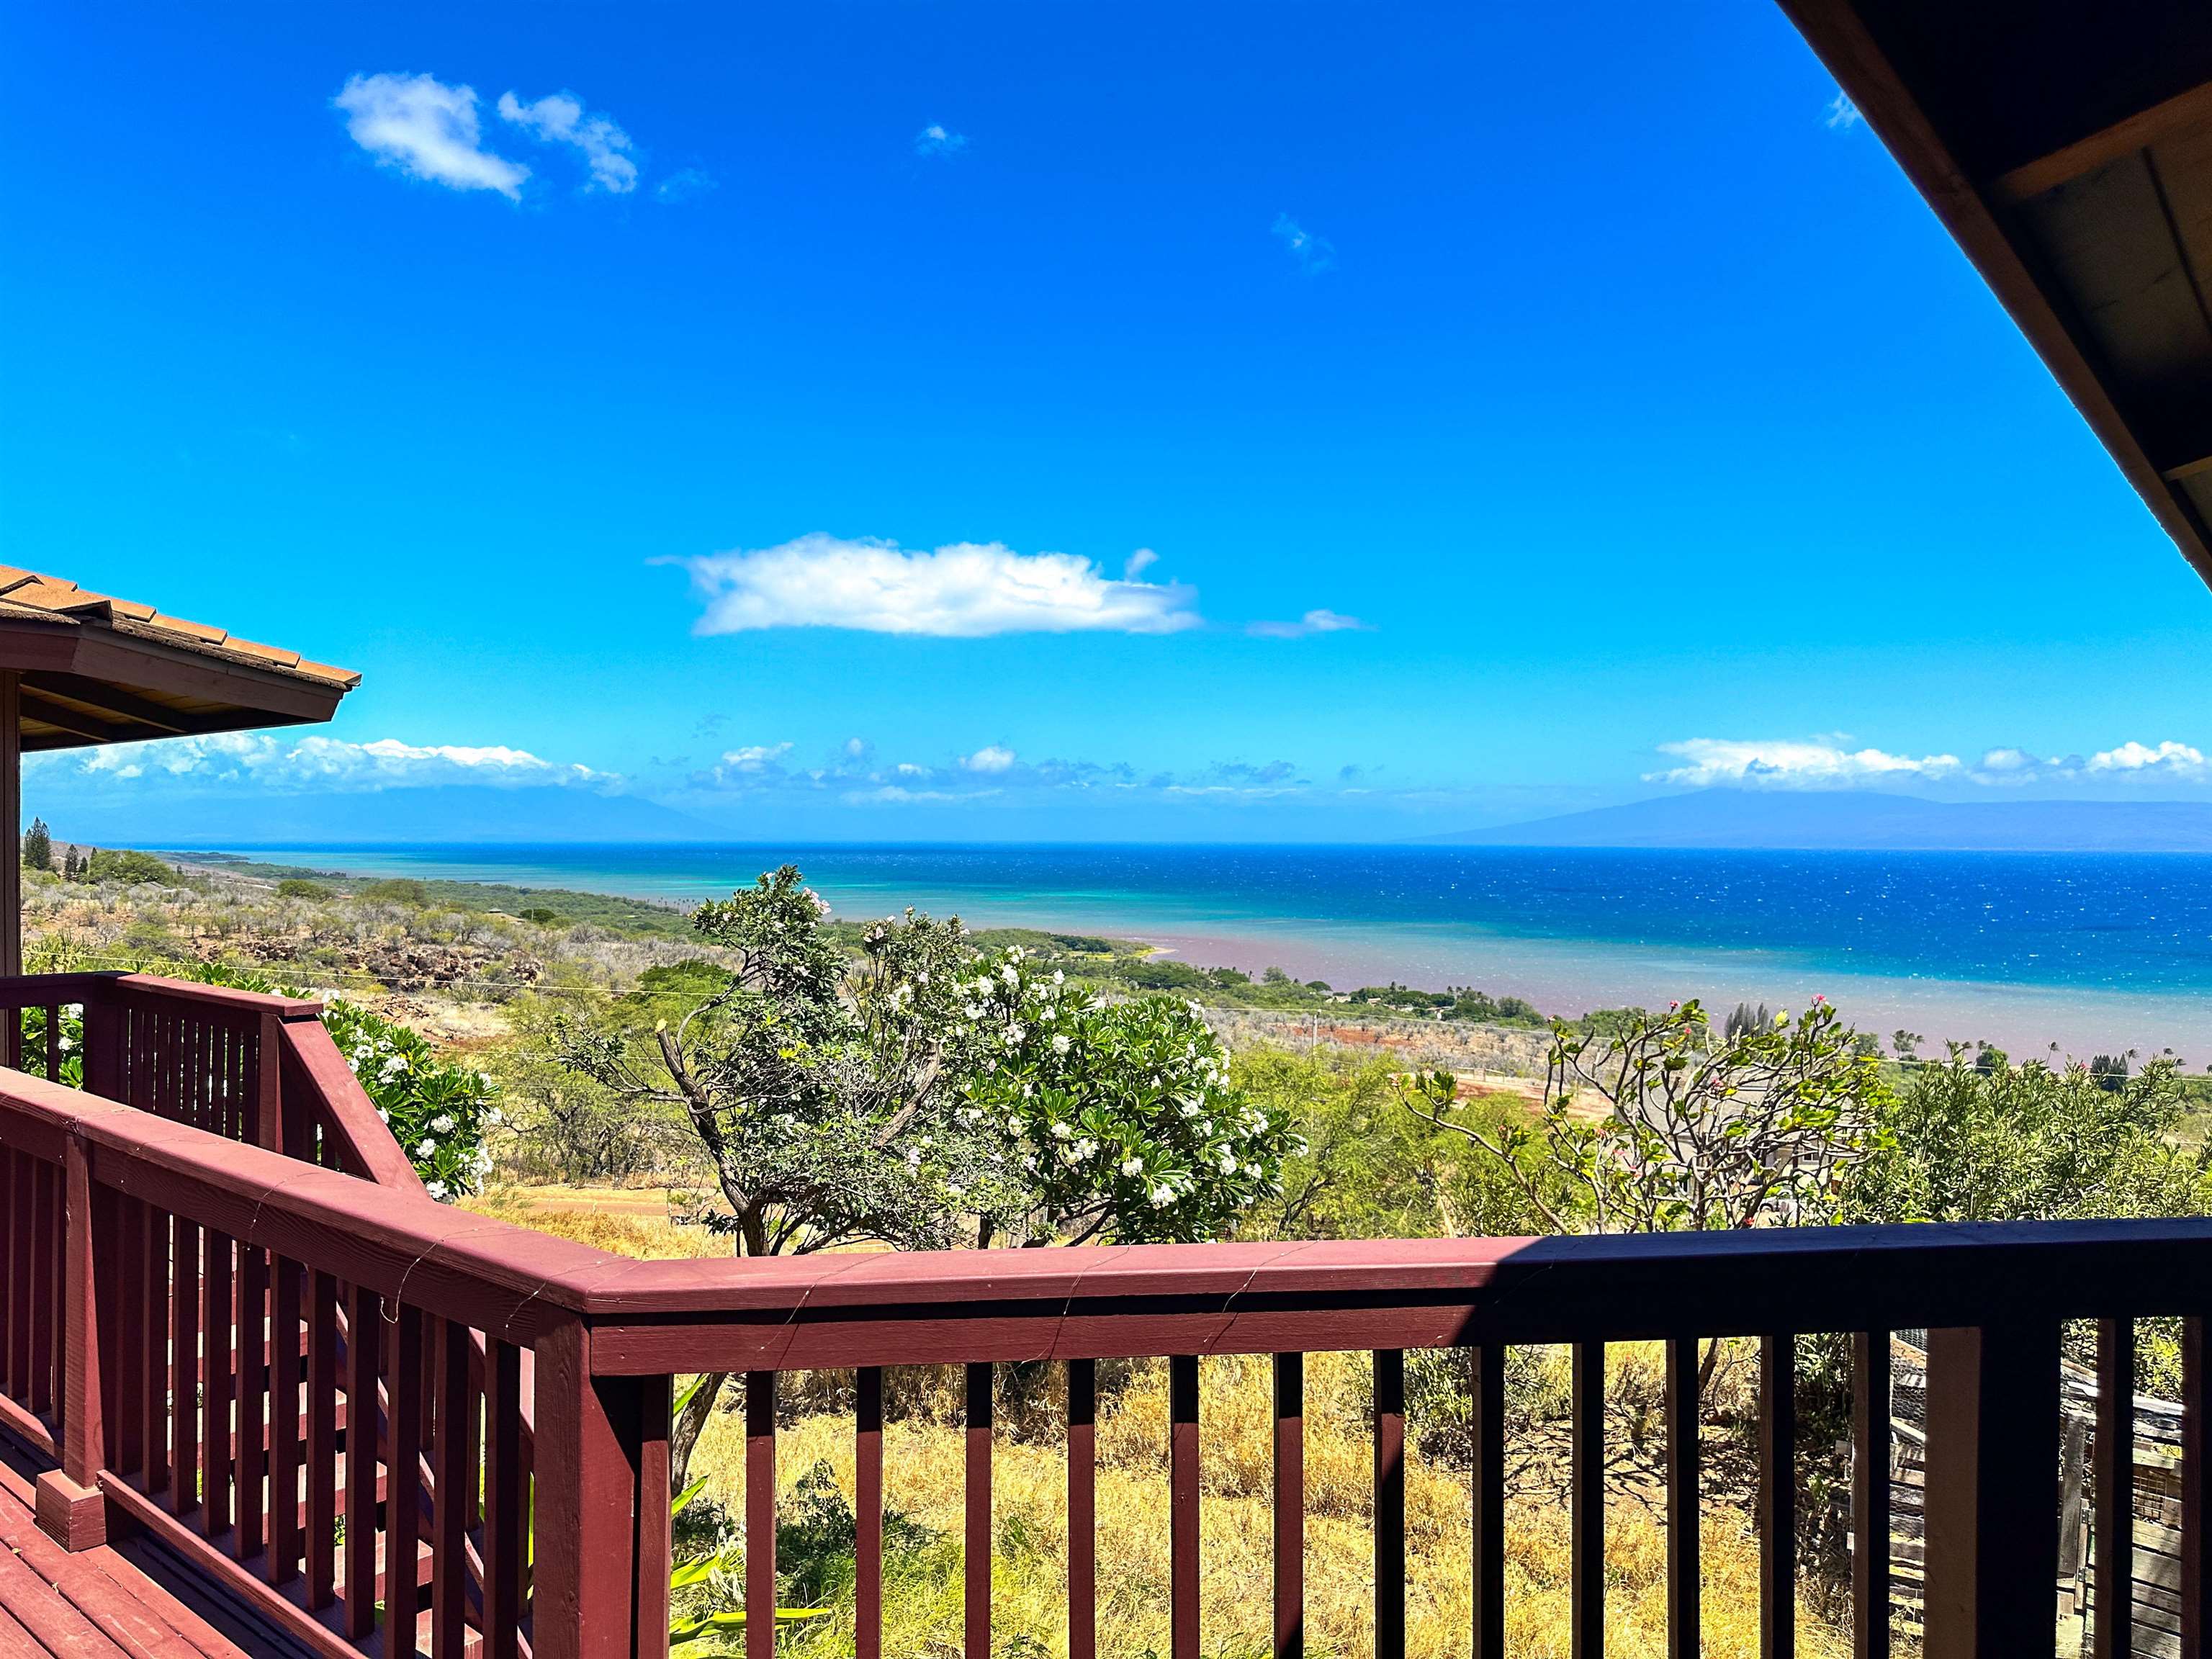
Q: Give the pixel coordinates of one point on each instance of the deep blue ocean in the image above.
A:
(1924, 931)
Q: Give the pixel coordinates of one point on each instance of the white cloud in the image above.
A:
(992, 757)
(936, 139)
(1826, 762)
(425, 128)
(1842, 113)
(967, 590)
(1138, 562)
(2175, 759)
(1793, 765)
(318, 763)
(1315, 254)
(1314, 622)
(683, 185)
(753, 758)
(559, 118)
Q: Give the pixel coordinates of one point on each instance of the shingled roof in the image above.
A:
(95, 669)
(2068, 147)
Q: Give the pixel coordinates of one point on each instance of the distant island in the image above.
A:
(1851, 821)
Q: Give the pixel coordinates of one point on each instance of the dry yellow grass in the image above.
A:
(923, 1479)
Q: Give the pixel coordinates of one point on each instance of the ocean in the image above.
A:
(2093, 953)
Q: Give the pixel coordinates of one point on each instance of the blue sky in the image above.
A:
(1441, 415)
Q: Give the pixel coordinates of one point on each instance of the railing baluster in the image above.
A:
(284, 1413)
(185, 1372)
(1778, 1496)
(1685, 1583)
(1182, 1506)
(1586, 1505)
(977, 1562)
(456, 1474)
(253, 1395)
(1082, 1509)
(1870, 1545)
(760, 1515)
(364, 1316)
(2195, 1490)
(23, 1308)
(403, 1486)
(505, 1501)
(1389, 1504)
(1290, 1506)
(868, 1514)
(46, 1276)
(320, 1541)
(1486, 1398)
(2112, 1605)
(1992, 1491)
(123, 1359)
(220, 1337)
(151, 1361)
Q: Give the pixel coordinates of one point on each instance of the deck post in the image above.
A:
(1992, 1493)
(70, 1507)
(600, 1584)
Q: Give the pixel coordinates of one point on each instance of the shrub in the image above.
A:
(129, 868)
(299, 887)
(399, 889)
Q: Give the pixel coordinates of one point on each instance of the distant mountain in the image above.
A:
(1847, 820)
(455, 812)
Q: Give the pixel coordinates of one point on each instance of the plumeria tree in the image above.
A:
(1660, 1122)
(1121, 1116)
(918, 1093)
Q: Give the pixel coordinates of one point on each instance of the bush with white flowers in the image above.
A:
(436, 1109)
(1121, 1115)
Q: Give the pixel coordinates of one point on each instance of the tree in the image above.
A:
(38, 847)
(1655, 1122)
(920, 1095)
(1980, 1138)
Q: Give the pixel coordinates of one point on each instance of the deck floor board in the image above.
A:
(93, 1605)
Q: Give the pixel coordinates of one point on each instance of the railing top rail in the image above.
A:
(853, 1308)
(34, 988)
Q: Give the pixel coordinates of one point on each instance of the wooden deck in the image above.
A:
(132, 1599)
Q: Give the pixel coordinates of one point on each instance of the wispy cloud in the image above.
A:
(687, 184)
(1826, 763)
(966, 590)
(1841, 113)
(1791, 763)
(1314, 254)
(317, 763)
(1314, 622)
(428, 130)
(559, 118)
(938, 140)
(852, 775)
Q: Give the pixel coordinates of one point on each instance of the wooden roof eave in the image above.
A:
(1976, 220)
(123, 685)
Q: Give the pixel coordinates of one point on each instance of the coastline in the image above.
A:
(1560, 975)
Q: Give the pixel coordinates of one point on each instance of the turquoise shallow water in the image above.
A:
(2089, 951)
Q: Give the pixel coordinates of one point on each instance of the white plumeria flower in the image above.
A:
(1060, 1044)
(1010, 975)
(1058, 977)
(1084, 1147)
(426, 1148)
(442, 1124)
(1162, 1197)
(437, 1189)
(1062, 1132)
(1133, 1166)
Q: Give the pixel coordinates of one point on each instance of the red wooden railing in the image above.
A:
(202, 1055)
(147, 1255)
